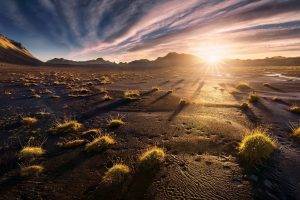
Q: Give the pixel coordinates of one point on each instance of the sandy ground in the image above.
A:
(200, 138)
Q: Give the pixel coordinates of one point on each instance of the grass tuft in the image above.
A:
(253, 98)
(151, 158)
(100, 143)
(131, 94)
(31, 170)
(69, 126)
(295, 109)
(115, 122)
(243, 86)
(29, 121)
(256, 147)
(116, 174)
(244, 106)
(73, 144)
(296, 133)
(31, 151)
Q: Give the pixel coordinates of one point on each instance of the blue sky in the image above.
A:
(123, 30)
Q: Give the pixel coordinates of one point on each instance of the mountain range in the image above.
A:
(14, 52)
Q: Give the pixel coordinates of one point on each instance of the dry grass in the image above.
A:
(116, 174)
(256, 147)
(295, 109)
(183, 102)
(29, 121)
(106, 97)
(243, 86)
(69, 126)
(253, 98)
(73, 144)
(244, 106)
(31, 151)
(100, 143)
(31, 170)
(131, 94)
(296, 133)
(151, 158)
(115, 122)
(93, 131)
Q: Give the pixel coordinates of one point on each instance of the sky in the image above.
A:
(125, 30)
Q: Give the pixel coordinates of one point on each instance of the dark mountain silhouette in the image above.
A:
(65, 62)
(14, 52)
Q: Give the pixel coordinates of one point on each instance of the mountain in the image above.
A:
(65, 62)
(14, 52)
(268, 61)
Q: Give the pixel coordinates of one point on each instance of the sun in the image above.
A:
(213, 59)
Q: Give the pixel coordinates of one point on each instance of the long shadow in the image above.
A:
(161, 97)
(251, 116)
(80, 97)
(110, 106)
(273, 88)
(71, 164)
(196, 81)
(177, 82)
(104, 108)
(176, 112)
(163, 83)
(197, 91)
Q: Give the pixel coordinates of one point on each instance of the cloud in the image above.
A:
(81, 29)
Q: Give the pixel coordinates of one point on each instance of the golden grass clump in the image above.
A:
(244, 106)
(131, 94)
(256, 147)
(243, 86)
(93, 131)
(29, 121)
(100, 143)
(253, 98)
(31, 170)
(115, 122)
(296, 133)
(295, 109)
(67, 127)
(73, 143)
(106, 97)
(31, 151)
(116, 174)
(151, 158)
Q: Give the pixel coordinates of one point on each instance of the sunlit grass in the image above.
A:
(253, 98)
(29, 121)
(256, 147)
(115, 122)
(243, 86)
(31, 170)
(69, 126)
(116, 174)
(100, 143)
(131, 94)
(151, 158)
(31, 151)
(295, 109)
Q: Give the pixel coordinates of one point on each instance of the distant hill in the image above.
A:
(171, 59)
(272, 61)
(14, 52)
(65, 62)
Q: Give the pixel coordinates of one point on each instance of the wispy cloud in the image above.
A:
(123, 30)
